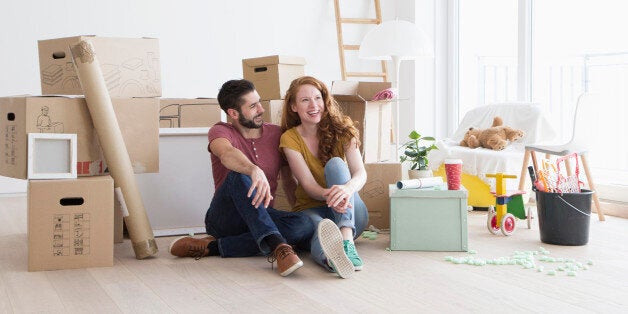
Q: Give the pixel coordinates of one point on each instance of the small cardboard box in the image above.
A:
(375, 191)
(130, 66)
(273, 109)
(20, 115)
(70, 223)
(428, 219)
(272, 75)
(374, 117)
(189, 113)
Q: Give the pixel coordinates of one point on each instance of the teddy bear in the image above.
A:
(496, 137)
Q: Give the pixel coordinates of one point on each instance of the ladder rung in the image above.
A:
(366, 74)
(351, 47)
(359, 21)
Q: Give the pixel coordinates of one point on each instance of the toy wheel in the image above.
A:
(469, 208)
(529, 217)
(491, 222)
(508, 224)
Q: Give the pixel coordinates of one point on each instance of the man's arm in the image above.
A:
(234, 160)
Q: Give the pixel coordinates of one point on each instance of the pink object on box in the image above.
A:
(453, 170)
(386, 94)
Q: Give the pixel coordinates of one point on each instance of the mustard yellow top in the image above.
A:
(292, 139)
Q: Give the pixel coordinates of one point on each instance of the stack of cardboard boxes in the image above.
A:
(71, 221)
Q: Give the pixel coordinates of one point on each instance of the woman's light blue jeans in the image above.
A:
(356, 217)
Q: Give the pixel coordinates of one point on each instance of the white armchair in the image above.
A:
(478, 162)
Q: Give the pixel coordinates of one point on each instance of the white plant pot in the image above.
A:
(417, 174)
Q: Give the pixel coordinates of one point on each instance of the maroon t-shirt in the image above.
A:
(263, 152)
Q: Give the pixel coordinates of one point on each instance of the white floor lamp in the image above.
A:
(396, 40)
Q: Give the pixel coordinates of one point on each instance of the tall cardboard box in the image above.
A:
(130, 66)
(273, 109)
(189, 113)
(20, 115)
(374, 117)
(272, 75)
(70, 223)
(375, 191)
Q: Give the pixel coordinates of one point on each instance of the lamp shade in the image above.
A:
(398, 38)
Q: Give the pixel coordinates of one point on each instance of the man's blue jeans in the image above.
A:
(356, 217)
(240, 228)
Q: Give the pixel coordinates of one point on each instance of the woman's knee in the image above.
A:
(335, 164)
(337, 171)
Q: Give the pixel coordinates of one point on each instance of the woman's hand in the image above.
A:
(338, 198)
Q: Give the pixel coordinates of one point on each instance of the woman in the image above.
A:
(317, 140)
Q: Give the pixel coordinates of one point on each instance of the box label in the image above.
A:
(71, 234)
(9, 144)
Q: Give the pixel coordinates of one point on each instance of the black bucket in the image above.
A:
(564, 218)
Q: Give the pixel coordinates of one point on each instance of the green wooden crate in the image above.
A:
(428, 219)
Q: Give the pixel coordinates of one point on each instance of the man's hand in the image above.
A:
(259, 183)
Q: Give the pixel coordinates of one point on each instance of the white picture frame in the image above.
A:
(52, 156)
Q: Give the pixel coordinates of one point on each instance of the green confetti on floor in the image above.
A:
(527, 260)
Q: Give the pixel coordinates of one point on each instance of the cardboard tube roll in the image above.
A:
(114, 149)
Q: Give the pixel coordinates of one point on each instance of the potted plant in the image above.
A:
(415, 152)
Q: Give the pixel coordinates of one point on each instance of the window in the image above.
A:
(585, 51)
(488, 54)
(575, 46)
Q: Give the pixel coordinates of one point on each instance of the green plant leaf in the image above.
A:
(414, 135)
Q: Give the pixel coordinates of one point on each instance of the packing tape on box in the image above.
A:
(120, 200)
(112, 143)
(419, 183)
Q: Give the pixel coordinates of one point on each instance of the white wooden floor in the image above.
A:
(391, 281)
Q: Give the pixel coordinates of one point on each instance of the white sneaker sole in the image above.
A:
(330, 239)
(292, 269)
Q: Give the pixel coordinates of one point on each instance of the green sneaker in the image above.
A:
(352, 254)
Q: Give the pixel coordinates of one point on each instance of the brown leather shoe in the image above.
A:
(287, 259)
(190, 247)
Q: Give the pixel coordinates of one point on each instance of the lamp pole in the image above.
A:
(397, 61)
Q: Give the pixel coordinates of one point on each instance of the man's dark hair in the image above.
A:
(231, 92)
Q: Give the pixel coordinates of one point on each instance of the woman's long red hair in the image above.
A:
(335, 127)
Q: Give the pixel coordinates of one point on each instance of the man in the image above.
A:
(246, 162)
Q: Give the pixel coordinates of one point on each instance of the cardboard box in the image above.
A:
(272, 75)
(428, 219)
(374, 117)
(375, 191)
(70, 223)
(189, 113)
(130, 66)
(21, 115)
(273, 109)
(280, 199)
(118, 222)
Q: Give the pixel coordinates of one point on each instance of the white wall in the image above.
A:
(202, 43)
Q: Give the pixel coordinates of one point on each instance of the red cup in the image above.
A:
(453, 170)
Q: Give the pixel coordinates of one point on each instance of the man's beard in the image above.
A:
(249, 123)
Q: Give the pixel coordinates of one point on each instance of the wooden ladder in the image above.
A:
(342, 47)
